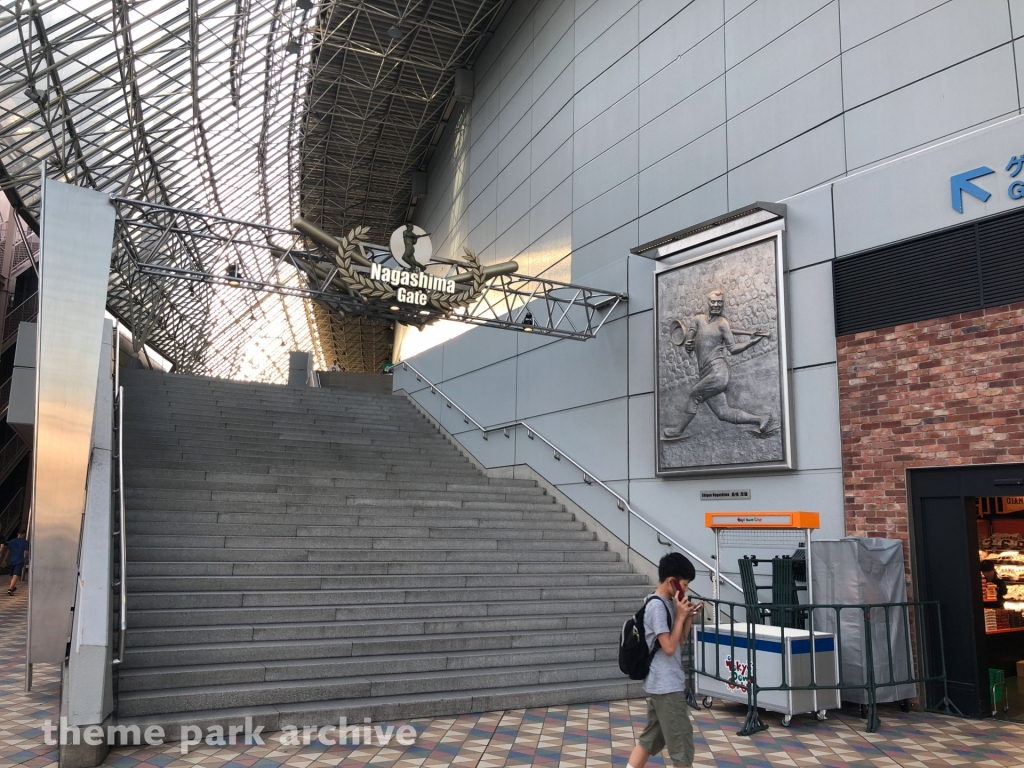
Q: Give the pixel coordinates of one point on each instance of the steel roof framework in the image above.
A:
(255, 110)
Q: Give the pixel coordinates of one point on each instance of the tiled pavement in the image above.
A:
(581, 736)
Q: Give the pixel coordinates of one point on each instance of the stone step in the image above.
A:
(544, 518)
(276, 692)
(139, 519)
(487, 571)
(140, 478)
(303, 468)
(159, 553)
(345, 506)
(500, 541)
(358, 534)
(148, 679)
(240, 481)
(314, 494)
(240, 649)
(377, 629)
(208, 610)
(261, 584)
(425, 602)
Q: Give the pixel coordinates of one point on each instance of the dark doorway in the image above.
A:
(945, 551)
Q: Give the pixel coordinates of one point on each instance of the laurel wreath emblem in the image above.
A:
(369, 290)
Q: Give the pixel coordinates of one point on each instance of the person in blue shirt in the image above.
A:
(18, 547)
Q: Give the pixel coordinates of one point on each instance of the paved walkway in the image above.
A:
(594, 736)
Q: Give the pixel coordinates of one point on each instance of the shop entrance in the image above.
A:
(961, 518)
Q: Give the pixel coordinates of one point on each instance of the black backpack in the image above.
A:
(634, 655)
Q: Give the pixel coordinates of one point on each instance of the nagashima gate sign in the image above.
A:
(154, 244)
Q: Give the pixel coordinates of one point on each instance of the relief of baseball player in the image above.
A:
(713, 340)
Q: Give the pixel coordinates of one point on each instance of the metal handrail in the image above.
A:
(12, 510)
(5, 395)
(121, 533)
(588, 477)
(22, 313)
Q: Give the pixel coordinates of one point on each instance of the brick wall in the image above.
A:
(933, 393)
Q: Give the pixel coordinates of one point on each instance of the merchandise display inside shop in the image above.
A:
(1001, 562)
(1001, 559)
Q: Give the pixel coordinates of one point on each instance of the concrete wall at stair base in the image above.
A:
(77, 233)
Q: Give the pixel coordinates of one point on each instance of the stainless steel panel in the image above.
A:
(77, 233)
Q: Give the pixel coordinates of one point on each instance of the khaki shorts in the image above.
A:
(668, 724)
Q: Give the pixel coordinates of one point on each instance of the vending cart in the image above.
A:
(727, 652)
(781, 657)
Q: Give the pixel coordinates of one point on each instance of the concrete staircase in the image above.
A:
(301, 554)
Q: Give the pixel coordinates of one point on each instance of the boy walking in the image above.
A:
(667, 621)
(18, 547)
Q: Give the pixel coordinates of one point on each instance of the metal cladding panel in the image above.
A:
(77, 237)
(957, 270)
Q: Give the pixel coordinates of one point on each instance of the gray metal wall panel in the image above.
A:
(76, 239)
(809, 236)
(865, 19)
(970, 93)
(614, 42)
(802, 49)
(929, 43)
(813, 333)
(682, 27)
(606, 130)
(816, 417)
(598, 373)
(761, 22)
(701, 204)
(812, 100)
(587, 434)
(594, 97)
(912, 196)
(687, 121)
(813, 158)
(605, 171)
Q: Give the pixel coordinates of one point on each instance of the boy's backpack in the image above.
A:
(634, 654)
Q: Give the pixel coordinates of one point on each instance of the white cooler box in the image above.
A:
(772, 653)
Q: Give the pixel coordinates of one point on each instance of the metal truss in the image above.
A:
(256, 110)
(158, 246)
(380, 96)
(192, 103)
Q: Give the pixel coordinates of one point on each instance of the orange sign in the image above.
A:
(760, 520)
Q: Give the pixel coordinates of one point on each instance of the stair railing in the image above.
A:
(120, 532)
(10, 518)
(588, 477)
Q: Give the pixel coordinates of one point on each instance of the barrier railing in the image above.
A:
(588, 477)
(832, 666)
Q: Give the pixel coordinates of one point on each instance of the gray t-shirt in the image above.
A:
(667, 674)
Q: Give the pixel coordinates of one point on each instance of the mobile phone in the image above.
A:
(677, 588)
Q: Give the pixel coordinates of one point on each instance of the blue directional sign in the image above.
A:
(962, 183)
